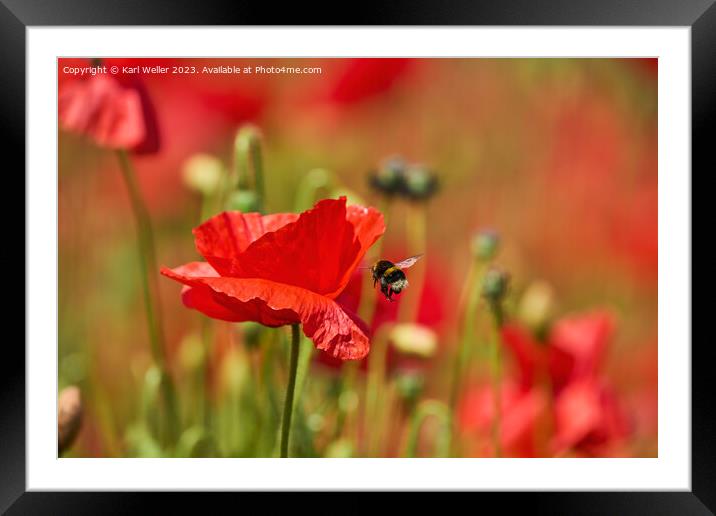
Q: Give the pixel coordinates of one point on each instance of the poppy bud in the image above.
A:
(494, 286)
(69, 417)
(420, 183)
(410, 385)
(390, 177)
(536, 304)
(246, 143)
(485, 244)
(202, 173)
(413, 340)
(245, 201)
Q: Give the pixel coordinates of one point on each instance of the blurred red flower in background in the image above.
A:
(586, 417)
(284, 269)
(520, 410)
(112, 113)
(365, 78)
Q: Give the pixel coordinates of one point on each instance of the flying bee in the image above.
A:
(391, 276)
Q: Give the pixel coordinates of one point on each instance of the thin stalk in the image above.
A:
(148, 265)
(425, 409)
(374, 386)
(496, 375)
(416, 225)
(290, 389)
(467, 340)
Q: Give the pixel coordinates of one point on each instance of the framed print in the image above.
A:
(326, 258)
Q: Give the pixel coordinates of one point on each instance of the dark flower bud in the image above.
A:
(494, 286)
(69, 417)
(420, 183)
(389, 179)
(245, 201)
(485, 244)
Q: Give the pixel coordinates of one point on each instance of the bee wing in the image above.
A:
(408, 262)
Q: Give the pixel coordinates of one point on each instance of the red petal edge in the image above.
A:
(332, 328)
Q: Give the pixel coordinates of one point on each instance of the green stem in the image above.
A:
(148, 265)
(374, 387)
(416, 226)
(468, 333)
(424, 410)
(496, 374)
(290, 389)
(258, 168)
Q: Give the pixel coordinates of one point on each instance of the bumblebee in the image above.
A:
(391, 276)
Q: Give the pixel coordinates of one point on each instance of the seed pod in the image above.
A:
(389, 179)
(69, 417)
(485, 244)
(420, 183)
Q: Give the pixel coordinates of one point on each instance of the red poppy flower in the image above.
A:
(574, 349)
(589, 420)
(364, 78)
(520, 411)
(284, 269)
(114, 114)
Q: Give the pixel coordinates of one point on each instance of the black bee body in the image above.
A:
(391, 277)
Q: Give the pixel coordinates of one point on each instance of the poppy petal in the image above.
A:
(332, 328)
(223, 237)
(318, 252)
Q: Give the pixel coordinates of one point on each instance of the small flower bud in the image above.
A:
(413, 340)
(340, 449)
(69, 417)
(485, 244)
(410, 385)
(536, 304)
(245, 201)
(247, 136)
(202, 173)
(494, 286)
(420, 183)
(390, 177)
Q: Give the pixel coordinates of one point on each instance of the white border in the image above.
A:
(671, 470)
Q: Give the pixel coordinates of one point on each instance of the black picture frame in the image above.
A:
(700, 15)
